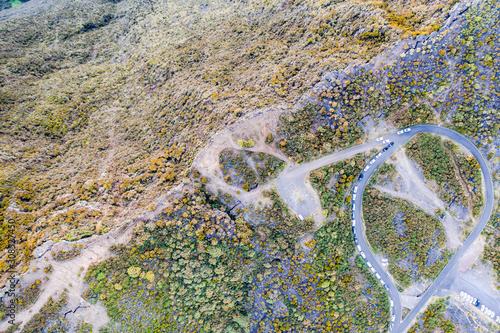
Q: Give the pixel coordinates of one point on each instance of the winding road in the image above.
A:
(292, 187)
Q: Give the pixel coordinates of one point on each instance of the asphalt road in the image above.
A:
(291, 186)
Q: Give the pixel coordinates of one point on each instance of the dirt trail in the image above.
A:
(69, 274)
(416, 191)
(255, 126)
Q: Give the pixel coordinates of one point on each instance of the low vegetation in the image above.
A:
(406, 235)
(246, 169)
(433, 320)
(333, 183)
(458, 176)
(66, 255)
(49, 319)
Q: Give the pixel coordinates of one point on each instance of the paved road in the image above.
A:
(291, 186)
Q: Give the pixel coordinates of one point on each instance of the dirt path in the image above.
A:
(415, 190)
(69, 274)
(255, 126)
(456, 170)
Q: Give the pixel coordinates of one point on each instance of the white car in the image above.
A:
(393, 318)
(359, 248)
(482, 308)
(392, 303)
(380, 139)
(301, 217)
(355, 189)
(407, 130)
(378, 155)
(492, 314)
(372, 161)
(400, 132)
(497, 319)
(462, 294)
(353, 223)
(372, 269)
(363, 255)
(369, 264)
(353, 206)
(377, 275)
(386, 141)
(366, 168)
(354, 197)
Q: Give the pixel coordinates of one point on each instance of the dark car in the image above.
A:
(390, 144)
(360, 177)
(385, 149)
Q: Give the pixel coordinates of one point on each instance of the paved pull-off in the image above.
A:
(291, 186)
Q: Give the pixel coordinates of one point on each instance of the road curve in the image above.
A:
(291, 186)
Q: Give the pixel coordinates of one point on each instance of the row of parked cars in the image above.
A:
(363, 255)
(354, 196)
(474, 301)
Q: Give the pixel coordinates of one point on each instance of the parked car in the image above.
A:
(360, 177)
(355, 189)
(366, 168)
(390, 144)
(386, 141)
(380, 139)
(407, 130)
(400, 132)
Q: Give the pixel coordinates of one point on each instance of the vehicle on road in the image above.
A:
(462, 294)
(372, 269)
(372, 161)
(353, 206)
(363, 254)
(354, 197)
(390, 144)
(400, 132)
(482, 308)
(378, 155)
(386, 141)
(369, 264)
(407, 130)
(353, 223)
(301, 217)
(359, 248)
(366, 168)
(355, 189)
(392, 303)
(380, 139)
(393, 317)
(360, 177)
(377, 275)
(477, 303)
(497, 319)
(385, 149)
